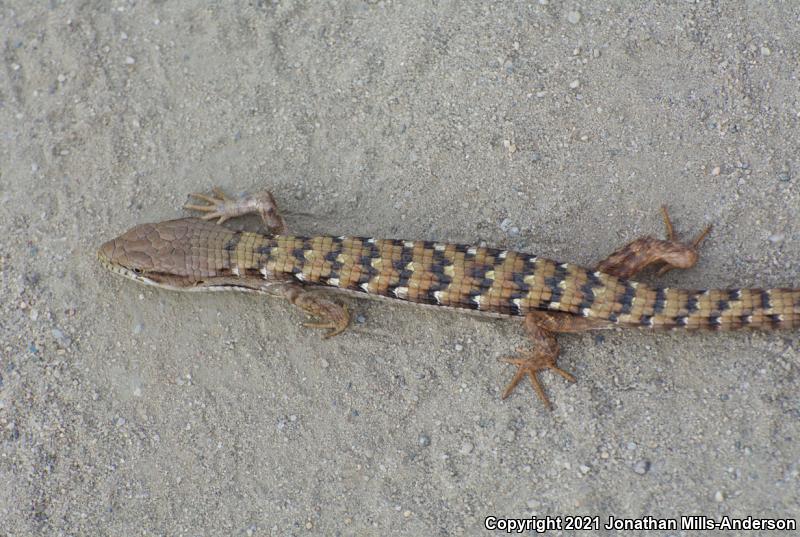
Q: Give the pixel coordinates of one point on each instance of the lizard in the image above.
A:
(550, 297)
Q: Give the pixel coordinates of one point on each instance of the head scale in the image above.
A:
(149, 254)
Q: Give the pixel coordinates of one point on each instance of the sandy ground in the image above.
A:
(554, 128)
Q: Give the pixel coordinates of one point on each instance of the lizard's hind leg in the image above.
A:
(542, 327)
(643, 252)
(223, 207)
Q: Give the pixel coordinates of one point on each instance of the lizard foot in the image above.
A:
(335, 326)
(643, 252)
(223, 207)
(542, 327)
(529, 362)
(332, 316)
(669, 264)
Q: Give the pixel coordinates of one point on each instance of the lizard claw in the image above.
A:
(224, 207)
(529, 363)
(334, 326)
(219, 206)
(333, 317)
(691, 254)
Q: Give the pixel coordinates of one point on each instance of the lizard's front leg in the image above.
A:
(542, 327)
(331, 315)
(223, 207)
(643, 252)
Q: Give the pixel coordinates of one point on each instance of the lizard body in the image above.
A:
(192, 254)
(552, 297)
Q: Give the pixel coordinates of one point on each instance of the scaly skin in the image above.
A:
(191, 252)
(195, 254)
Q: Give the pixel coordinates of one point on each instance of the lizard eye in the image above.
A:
(137, 271)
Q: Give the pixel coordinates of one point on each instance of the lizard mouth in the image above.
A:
(126, 272)
(168, 281)
(105, 256)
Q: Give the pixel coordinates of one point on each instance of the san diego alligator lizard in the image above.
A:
(192, 254)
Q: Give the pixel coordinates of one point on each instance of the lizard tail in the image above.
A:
(721, 309)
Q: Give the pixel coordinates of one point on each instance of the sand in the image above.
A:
(548, 127)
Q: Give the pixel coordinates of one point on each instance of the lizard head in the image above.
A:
(148, 254)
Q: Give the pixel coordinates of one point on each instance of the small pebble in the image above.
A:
(575, 84)
(776, 238)
(60, 337)
(574, 17)
(129, 60)
(719, 497)
(784, 177)
(360, 319)
(61, 78)
(715, 171)
(765, 51)
(137, 328)
(505, 224)
(459, 347)
(466, 448)
(584, 469)
(514, 231)
(642, 467)
(535, 157)
(324, 363)
(424, 440)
